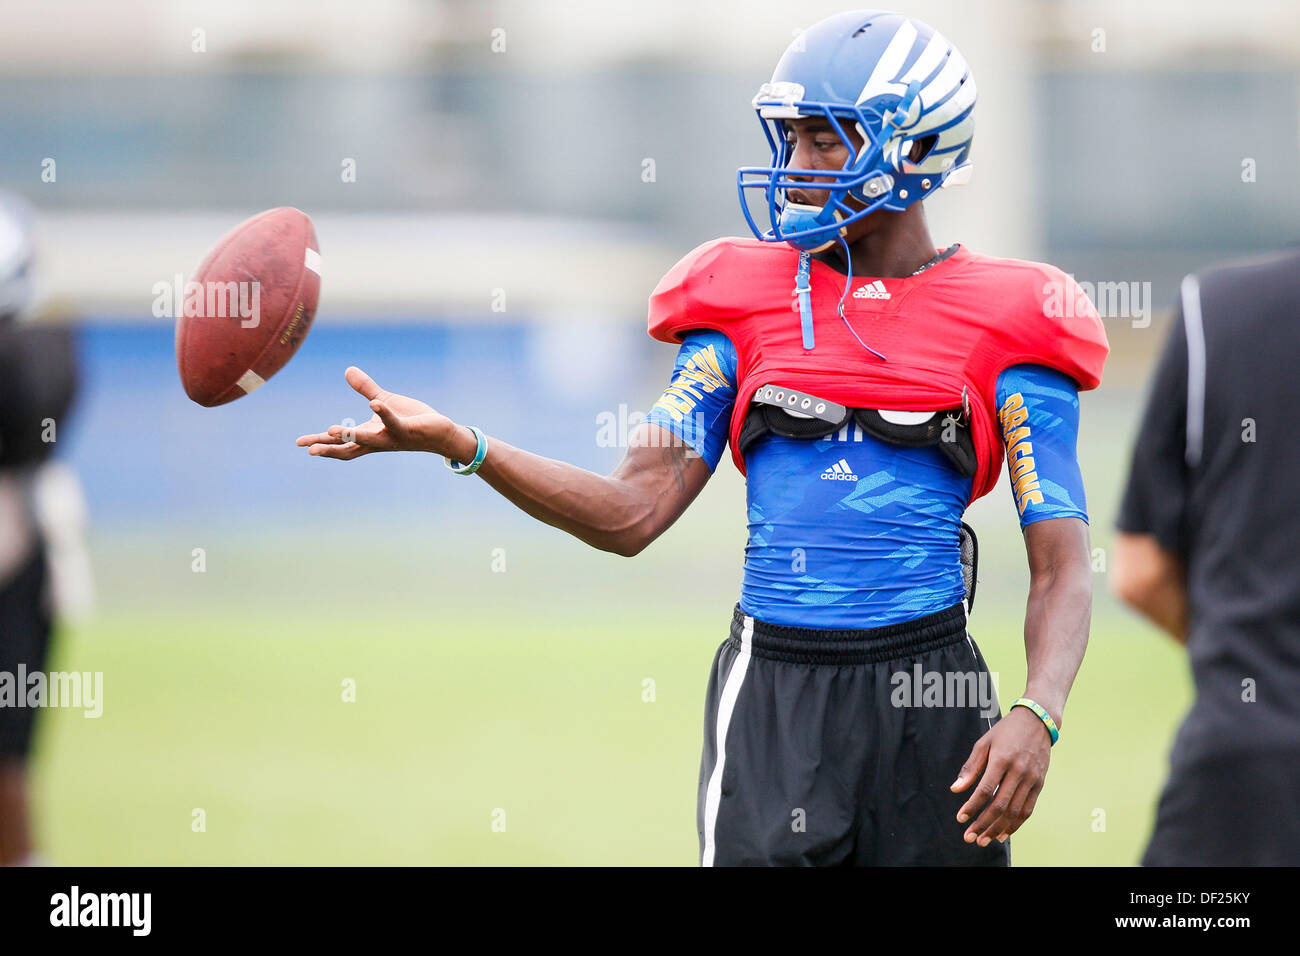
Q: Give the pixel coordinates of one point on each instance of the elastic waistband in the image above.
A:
(872, 645)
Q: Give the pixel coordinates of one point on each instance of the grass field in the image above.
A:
(482, 688)
(454, 718)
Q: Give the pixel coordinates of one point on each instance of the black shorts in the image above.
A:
(816, 754)
(1233, 808)
(25, 625)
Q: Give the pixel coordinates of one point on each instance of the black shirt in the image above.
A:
(1216, 480)
(38, 380)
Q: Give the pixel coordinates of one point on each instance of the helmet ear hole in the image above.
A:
(921, 148)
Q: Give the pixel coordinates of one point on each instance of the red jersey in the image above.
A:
(945, 334)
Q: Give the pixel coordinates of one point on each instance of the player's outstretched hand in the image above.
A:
(1013, 755)
(398, 424)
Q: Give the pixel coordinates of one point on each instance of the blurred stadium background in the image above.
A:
(524, 173)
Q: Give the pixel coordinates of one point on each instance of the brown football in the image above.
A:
(248, 307)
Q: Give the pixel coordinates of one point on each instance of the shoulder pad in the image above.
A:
(1074, 335)
(711, 284)
(1048, 319)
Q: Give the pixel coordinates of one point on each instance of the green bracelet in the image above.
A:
(479, 454)
(1042, 713)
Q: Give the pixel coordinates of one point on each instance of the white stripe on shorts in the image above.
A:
(727, 703)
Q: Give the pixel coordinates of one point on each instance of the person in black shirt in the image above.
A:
(1208, 548)
(38, 381)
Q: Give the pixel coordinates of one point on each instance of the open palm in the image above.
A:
(399, 423)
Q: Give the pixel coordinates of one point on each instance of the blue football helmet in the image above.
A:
(893, 79)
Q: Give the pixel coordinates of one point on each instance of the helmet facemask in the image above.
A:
(864, 178)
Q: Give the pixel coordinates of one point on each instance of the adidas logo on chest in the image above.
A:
(840, 471)
(872, 290)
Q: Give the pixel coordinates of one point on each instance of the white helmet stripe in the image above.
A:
(945, 112)
(953, 138)
(888, 66)
(945, 84)
(928, 61)
(952, 110)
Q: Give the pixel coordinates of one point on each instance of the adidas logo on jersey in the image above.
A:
(872, 290)
(840, 471)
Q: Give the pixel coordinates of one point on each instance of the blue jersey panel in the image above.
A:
(850, 531)
(1039, 411)
(696, 406)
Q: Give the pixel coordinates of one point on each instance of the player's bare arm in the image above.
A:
(1013, 756)
(1152, 581)
(622, 512)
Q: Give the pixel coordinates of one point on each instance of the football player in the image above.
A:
(869, 385)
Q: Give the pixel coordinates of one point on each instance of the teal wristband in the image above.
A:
(1042, 713)
(480, 453)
